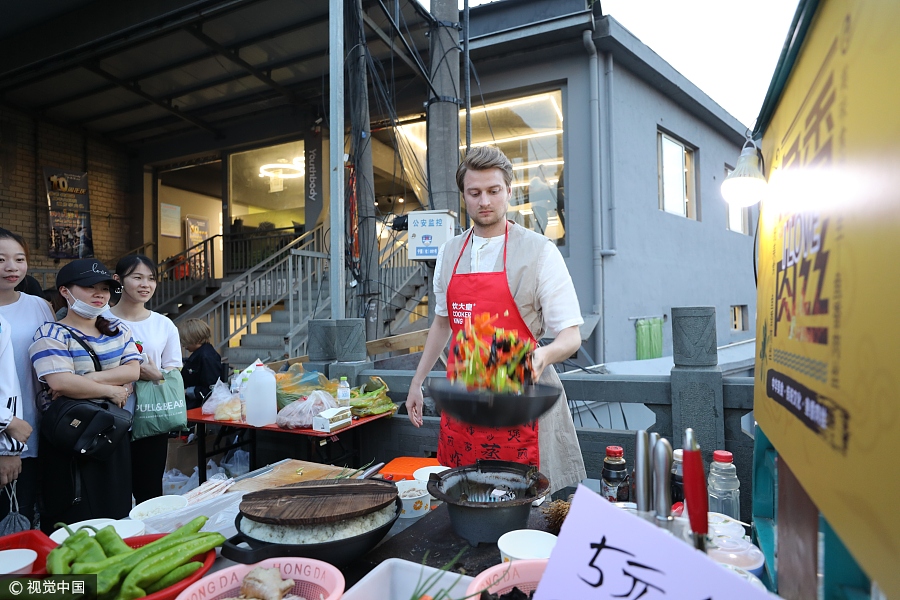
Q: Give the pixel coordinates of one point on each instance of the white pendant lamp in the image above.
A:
(746, 185)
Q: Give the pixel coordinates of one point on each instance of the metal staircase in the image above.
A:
(269, 305)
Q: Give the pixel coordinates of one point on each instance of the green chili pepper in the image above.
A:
(152, 569)
(80, 568)
(87, 549)
(109, 577)
(182, 572)
(111, 543)
(60, 559)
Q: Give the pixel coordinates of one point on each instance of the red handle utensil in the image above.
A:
(695, 493)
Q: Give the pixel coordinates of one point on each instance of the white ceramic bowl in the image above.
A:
(525, 544)
(124, 527)
(157, 506)
(17, 562)
(415, 505)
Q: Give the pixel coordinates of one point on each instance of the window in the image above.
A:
(677, 191)
(529, 130)
(738, 217)
(739, 318)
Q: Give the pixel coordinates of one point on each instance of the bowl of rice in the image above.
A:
(157, 506)
(337, 543)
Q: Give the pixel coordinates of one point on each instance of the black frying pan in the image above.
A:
(489, 409)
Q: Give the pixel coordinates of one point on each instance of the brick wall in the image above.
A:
(27, 147)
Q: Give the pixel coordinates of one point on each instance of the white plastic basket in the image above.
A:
(396, 579)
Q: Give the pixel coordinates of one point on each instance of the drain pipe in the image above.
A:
(596, 199)
(610, 163)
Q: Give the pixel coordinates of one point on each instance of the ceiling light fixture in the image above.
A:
(746, 185)
(283, 170)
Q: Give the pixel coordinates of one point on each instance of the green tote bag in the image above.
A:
(160, 406)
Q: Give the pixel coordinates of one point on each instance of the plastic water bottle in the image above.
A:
(724, 487)
(236, 382)
(614, 477)
(677, 475)
(259, 394)
(343, 392)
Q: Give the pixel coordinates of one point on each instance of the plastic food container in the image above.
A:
(737, 553)
(501, 579)
(396, 579)
(157, 506)
(525, 544)
(413, 506)
(17, 562)
(312, 579)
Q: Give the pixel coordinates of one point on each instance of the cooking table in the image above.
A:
(315, 438)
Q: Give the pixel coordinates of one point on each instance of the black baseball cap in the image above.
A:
(85, 272)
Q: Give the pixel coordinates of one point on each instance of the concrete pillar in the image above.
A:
(696, 380)
(361, 145)
(443, 112)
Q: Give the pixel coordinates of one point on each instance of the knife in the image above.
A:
(662, 489)
(695, 494)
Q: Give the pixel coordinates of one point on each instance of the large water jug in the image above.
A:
(259, 392)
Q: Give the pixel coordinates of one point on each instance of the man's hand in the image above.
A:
(565, 345)
(414, 404)
(10, 467)
(19, 430)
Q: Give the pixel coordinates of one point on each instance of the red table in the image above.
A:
(197, 417)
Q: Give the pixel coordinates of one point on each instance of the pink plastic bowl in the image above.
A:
(502, 578)
(311, 578)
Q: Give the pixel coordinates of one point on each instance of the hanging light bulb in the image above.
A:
(746, 185)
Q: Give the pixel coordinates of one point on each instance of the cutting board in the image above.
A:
(292, 471)
(311, 502)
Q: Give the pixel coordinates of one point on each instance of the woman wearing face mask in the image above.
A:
(76, 488)
(25, 313)
(157, 338)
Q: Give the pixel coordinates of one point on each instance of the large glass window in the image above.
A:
(267, 188)
(676, 177)
(529, 130)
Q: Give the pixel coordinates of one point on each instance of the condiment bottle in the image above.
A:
(614, 477)
(677, 475)
(724, 487)
(343, 392)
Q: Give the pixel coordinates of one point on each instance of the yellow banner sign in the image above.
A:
(828, 327)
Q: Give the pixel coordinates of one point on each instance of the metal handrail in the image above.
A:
(234, 308)
(184, 273)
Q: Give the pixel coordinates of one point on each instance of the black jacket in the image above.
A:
(201, 370)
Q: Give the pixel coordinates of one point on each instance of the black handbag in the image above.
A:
(85, 427)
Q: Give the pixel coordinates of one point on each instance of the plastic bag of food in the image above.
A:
(371, 399)
(295, 384)
(173, 482)
(221, 393)
(230, 410)
(300, 413)
(237, 462)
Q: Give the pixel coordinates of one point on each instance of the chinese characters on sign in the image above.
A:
(604, 552)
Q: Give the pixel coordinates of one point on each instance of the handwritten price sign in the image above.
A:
(604, 552)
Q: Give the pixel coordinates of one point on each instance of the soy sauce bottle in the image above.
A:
(614, 485)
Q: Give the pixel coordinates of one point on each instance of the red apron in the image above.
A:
(459, 443)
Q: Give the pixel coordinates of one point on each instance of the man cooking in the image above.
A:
(503, 269)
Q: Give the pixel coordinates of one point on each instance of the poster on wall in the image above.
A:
(197, 229)
(169, 220)
(828, 332)
(70, 214)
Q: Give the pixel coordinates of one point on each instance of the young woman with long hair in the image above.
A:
(25, 313)
(76, 488)
(157, 338)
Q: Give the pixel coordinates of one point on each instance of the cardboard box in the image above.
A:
(183, 456)
(332, 419)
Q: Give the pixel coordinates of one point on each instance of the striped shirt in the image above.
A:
(54, 350)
